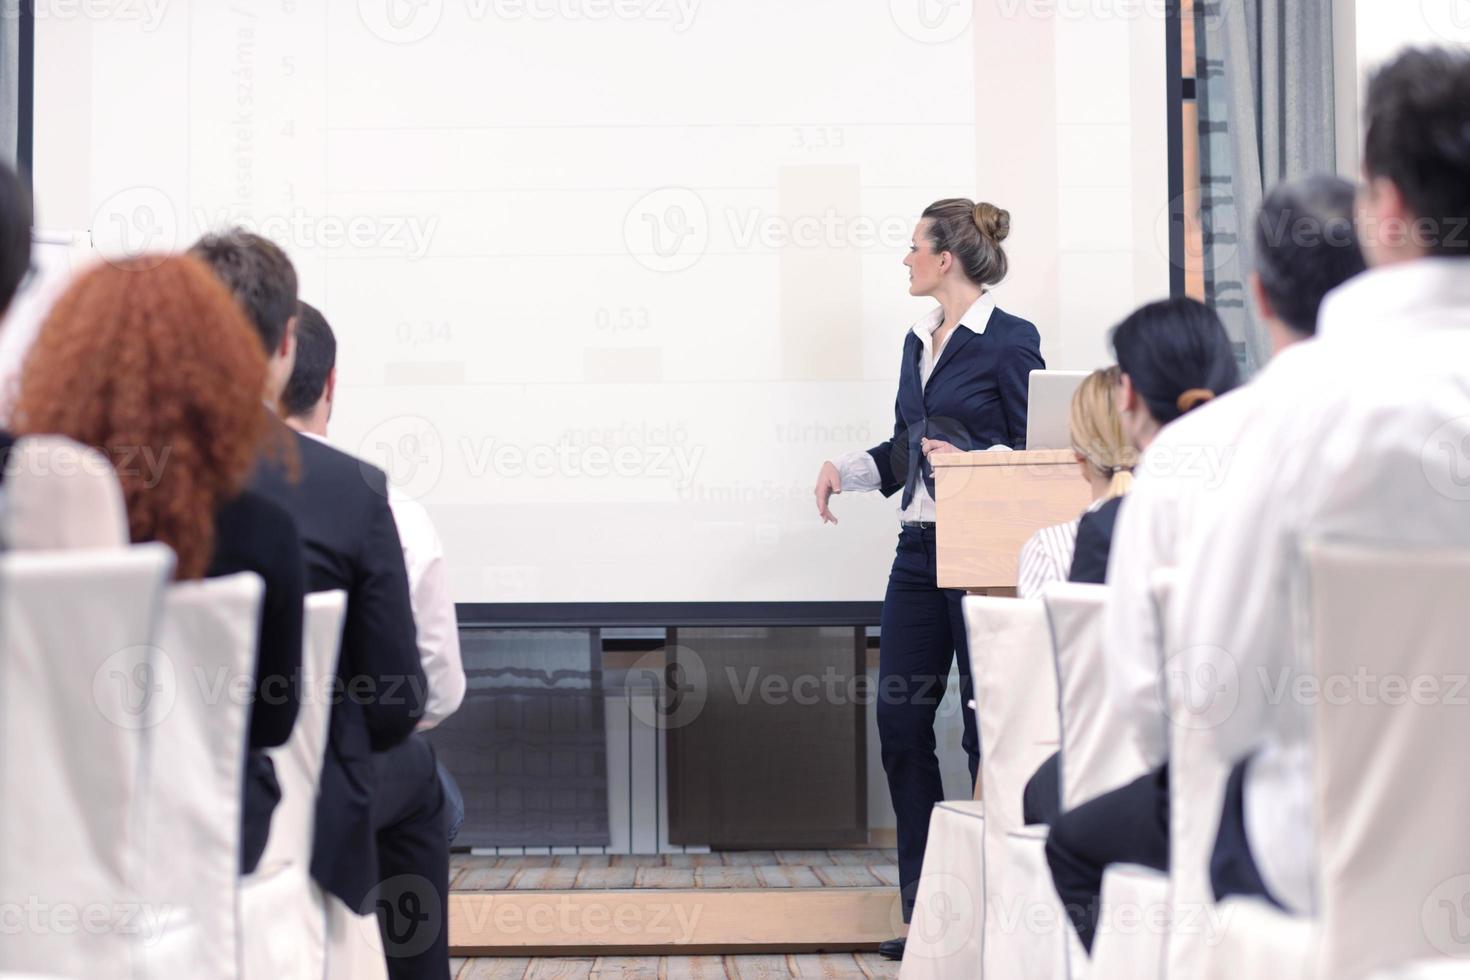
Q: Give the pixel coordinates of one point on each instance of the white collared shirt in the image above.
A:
(1177, 479)
(432, 602)
(1358, 434)
(857, 469)
(1047, 555)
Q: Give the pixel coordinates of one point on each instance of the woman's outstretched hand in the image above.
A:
(829, 481)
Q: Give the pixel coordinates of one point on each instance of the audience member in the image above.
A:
(1305, 246)
(1164, 372)
(307, 404)
(380, 812)
(1173, 356)
(151, 362)
(1106, 462)
(1360, 434)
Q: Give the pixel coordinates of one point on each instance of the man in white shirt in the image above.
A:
(307, 406)
(1305, 246)
(1359, 434)
(1181, 475)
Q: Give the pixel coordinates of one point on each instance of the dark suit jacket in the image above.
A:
(1095, 543)
(341, 509)
(253, 534)
(975, 399)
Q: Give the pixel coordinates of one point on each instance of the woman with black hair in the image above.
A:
(1173, 357)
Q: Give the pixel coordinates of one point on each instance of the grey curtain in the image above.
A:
(1265, 94)
(9, 82)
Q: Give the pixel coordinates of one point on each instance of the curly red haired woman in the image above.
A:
(152, 362)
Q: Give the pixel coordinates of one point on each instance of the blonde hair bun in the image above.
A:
(994, 223)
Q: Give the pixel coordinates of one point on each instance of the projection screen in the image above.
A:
(611, 278)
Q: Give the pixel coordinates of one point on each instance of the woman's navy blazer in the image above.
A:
(975, 399)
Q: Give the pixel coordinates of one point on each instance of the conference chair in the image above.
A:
(1197, 777)
(1099, 754)
(283, 914)
(1016, 702)
(60, 496)
(194, 740)
(964, 922)
(75, 688)
(1394, 860)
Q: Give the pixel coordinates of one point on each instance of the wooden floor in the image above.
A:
(857, 966)
(725, 914)
(855, 868)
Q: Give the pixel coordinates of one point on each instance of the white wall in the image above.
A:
(1369, 32)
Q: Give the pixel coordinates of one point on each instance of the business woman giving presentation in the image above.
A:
(962, 386)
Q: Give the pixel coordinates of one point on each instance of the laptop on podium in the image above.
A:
(1049, 408)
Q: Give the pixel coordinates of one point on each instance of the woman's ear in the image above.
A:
(1127, 395)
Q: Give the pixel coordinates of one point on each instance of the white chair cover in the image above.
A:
(1016, 714)
(283, 917)
(75, 630)
(944, 938)
(1259, 940)
(1031, 911)
(1098, 752)
(61, 495)
(1015, 702)
(194, 745)
(1390, 794)
(1197, 777)
(1133, 926)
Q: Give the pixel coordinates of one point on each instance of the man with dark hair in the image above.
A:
(313, 380)
(307, 405)
(1416, 200)
(1360, 434)
(1306, 246)
(380, 833)
(264, 283)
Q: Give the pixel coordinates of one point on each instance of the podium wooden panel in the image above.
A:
(989, 503)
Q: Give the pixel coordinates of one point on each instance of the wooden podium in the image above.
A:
(989, 503)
